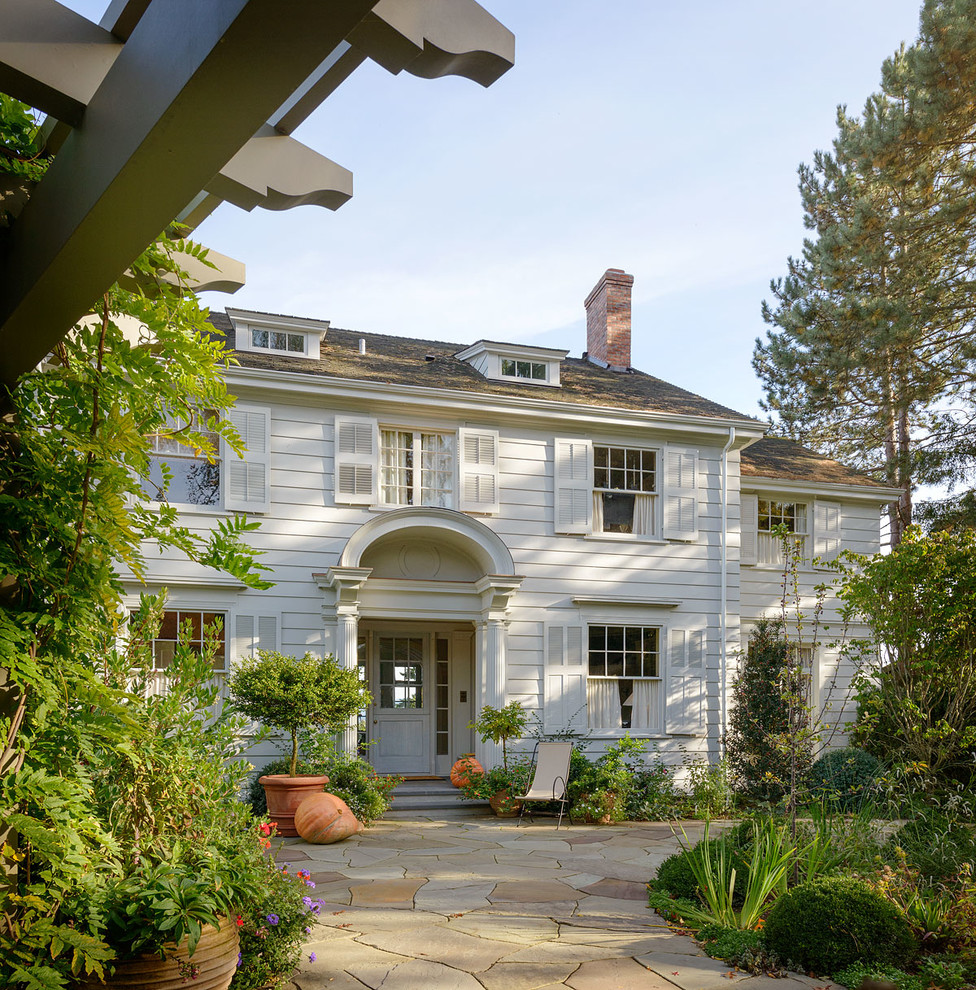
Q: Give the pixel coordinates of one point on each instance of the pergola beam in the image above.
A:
(187, 91)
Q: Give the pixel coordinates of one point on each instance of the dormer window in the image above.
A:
(514, 362)
(524, 369)
(265, 333)
(277, 340)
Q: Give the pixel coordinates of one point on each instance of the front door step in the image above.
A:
(433, 798)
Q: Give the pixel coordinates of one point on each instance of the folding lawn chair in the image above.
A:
(549, 779)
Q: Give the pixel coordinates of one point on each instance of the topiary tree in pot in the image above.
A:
(293, 693)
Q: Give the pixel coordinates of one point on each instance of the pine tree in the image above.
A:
(871, 358)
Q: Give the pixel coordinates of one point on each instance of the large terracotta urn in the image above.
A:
(464, 769)
(325, 818)
(285, 794)
(214, 963)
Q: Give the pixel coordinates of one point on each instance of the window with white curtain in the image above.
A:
(417, 468)
(793, 517)
(625, 486)
(623, 684)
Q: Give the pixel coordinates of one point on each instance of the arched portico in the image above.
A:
(436, 573)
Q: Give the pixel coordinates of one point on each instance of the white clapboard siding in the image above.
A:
(686, 681)
(749, 528)
(680, 493)
(565, 685)
(573, 472)
(478, 470)
(356, 460)
(826, 529)
(248, 477)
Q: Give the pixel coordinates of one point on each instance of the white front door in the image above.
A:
(401, 704)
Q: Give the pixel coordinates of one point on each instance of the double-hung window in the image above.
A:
(197, 629)
(178, 472)
(623, 684)
(624, 490)
(792, 516)
(417, 468)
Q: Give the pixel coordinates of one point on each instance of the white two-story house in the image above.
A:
(476, 523)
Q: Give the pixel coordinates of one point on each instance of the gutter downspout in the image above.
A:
(723, 668)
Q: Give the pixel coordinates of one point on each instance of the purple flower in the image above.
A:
(307, 901)
(273, 919)
(240, 958)
(311, 957)
(308, 931)
(310, 883)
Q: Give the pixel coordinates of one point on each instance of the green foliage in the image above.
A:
(653, 795)
(19, 150)
(513, 778)
(844, 778)
(273, 928)
(710, 794)
(917, 706)
(760, 715)
(292, 694)
(501, 724)
(870, 355)
(742, 949)
(852, 975)
(826, 924)
(770, 858)
(677, 876)
(934, 843)
(72, 514)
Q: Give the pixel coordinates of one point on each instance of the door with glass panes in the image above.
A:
(411, 727)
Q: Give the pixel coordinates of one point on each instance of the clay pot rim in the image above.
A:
(281, 778)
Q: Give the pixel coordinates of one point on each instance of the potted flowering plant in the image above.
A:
(292, 694)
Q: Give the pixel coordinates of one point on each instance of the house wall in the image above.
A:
(305, 531)
(821, 624)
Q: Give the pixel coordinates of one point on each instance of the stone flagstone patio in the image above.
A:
(478, 904)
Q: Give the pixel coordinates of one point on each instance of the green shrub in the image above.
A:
(676, 876)
(827, 924)
(653, 796)
(934, 844)
(737, 947)
(844, 778)
(851, 976)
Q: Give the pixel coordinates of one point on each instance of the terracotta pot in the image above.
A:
(503, 805)
(464, 769)
(325, 818)
(285, 794)
(214, 959)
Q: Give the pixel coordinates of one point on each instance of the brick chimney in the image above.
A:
(608, 320)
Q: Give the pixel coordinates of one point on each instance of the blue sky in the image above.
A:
(662, 138)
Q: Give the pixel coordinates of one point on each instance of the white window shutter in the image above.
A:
(356, 460)
(253, 633)
(478, 470)
(573, 472)
(686, 682)
(565, 680)
(826, 529)
(248, 477)
(748, 528)
(680, 493)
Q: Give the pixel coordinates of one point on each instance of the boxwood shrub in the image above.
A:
(843, 778)
(827, 924)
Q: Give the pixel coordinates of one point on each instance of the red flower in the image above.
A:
(240, 922)
(265, 829)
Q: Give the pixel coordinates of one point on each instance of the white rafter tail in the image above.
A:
(276, 172)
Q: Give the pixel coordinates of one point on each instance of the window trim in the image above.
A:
(655, 496)
(311, 340)
(418, 433)
(660, 678)
(186, 454)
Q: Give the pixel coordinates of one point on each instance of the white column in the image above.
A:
(347, 642)
(490, 674)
